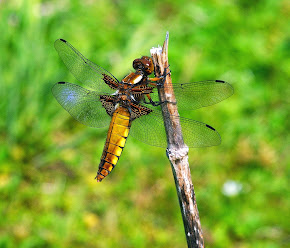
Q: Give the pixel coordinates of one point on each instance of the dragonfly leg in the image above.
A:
(156, 80)
(166, 72)
(152, 102)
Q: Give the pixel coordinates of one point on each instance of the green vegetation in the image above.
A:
(48, 161)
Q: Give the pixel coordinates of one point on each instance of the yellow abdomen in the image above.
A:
(115, 142)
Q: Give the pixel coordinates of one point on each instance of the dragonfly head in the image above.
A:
(145, 64)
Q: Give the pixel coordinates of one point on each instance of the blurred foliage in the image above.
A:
(48, 195)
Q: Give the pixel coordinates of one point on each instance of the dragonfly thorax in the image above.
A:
(124, 94)
(132, 79)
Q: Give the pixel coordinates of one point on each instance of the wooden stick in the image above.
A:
(177, 151)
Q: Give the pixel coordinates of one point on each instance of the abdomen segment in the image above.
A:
(115, 142)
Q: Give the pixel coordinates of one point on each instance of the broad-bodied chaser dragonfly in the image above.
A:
(132, 104)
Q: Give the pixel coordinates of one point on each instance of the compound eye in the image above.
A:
(136, 64)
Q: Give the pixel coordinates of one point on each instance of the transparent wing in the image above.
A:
(82, 104)
(150, 130)
(88, 73)
(190, 96)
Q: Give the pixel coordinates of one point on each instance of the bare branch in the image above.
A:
(177, 151)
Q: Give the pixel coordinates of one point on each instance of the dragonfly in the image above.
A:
(132, 105)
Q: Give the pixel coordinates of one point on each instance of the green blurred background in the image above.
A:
(48, 161)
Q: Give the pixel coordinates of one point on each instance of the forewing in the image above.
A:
(150, 130)
(88, 73)
(190, 96)
(84, 105)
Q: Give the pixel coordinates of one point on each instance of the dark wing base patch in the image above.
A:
(110, 81)
(138, 110)
(108, 102)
